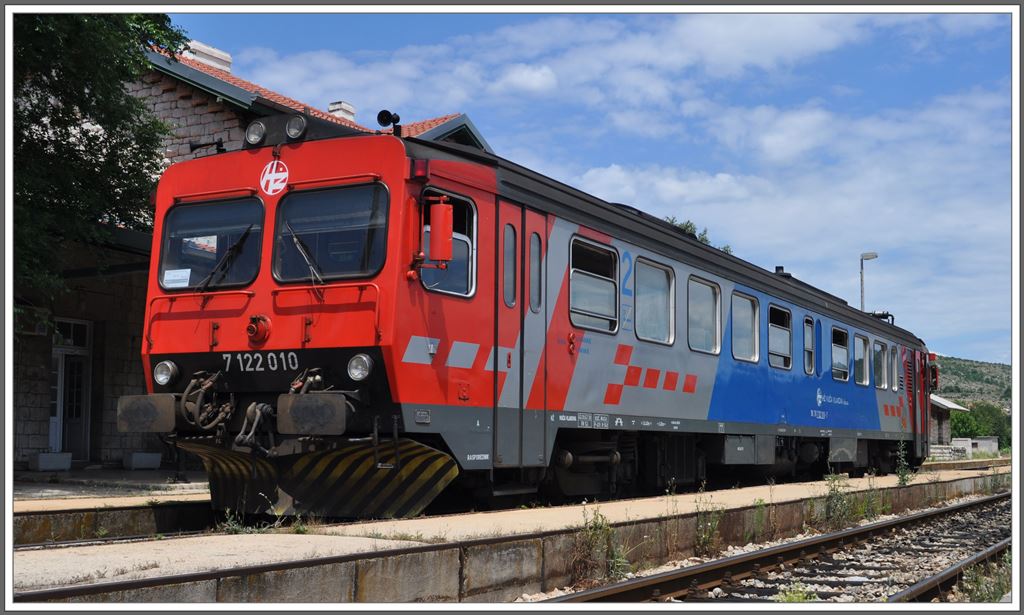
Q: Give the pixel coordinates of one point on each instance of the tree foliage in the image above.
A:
(86, 152)
(691, 228)
(963, 425)
(984, 419)
(992, 422)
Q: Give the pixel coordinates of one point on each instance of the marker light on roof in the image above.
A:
(295, 127)
(255, 132)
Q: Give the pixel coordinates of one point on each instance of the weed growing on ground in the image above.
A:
(706, 541)
(773, 518)
(838, 512)
(754, 534)
(235, 523)
(409, 536)
(987, 582)
(869, 504)
(903, 472)
(595, 555)
(795, 592)
(141, 566)
(590, 548)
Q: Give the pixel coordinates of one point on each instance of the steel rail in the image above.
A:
(705, 576)
(935, 585)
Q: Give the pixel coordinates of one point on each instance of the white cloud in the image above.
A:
(525, 78)
(726, 45)
(803, 185)
(927, 188)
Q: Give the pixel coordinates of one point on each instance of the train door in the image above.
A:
(532, 347)
(508, 405)
(921, 391)
(521, 324)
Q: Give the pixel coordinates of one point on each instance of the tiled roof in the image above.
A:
(408, 130)
(418, 128)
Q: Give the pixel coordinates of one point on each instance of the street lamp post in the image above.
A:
(866, 256)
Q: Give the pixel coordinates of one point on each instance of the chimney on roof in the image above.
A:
(211, 56)
(343, 109)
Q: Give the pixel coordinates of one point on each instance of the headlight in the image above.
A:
(359, 367)
(165, 372)
(295, 127)
(255, 132)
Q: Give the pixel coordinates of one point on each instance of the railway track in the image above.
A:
(905, 559)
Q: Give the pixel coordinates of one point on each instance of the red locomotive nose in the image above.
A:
(258, 329)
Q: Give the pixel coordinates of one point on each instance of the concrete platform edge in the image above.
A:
(501, 569)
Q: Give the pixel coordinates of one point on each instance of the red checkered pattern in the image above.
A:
(648, 378)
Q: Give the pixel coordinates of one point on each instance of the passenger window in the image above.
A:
(510, 265)
(860, 359)
(655, 290)
(459, 278)
(780, 347)
(593, 290)
(879, 356)
(808, 346)
(703, 320)
(744, 327)
(536, 273)
(894, 362)
(840, 354)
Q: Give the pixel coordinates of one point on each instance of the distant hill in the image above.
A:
(963, 380)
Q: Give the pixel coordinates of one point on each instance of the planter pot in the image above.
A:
(141, 461)
(50, 462)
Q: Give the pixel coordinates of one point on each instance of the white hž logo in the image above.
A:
(820, 397)
(274, 177)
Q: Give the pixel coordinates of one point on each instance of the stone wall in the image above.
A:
(31, 395)
(114, 305)
(192, 114)
(939, 429)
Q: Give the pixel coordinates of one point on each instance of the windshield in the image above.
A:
(211, 245)
(341, 230)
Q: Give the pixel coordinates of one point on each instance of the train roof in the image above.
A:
(522, 185)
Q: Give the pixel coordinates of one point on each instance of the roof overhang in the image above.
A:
(198, 79)
(460, 130)
(945, 404)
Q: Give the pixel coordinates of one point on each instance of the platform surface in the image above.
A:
(39, 569)
(35, 569)
(39, 491)
(468, 526)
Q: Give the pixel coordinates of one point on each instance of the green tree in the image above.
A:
(992, 422)
(963, 425)
(691, 228)
(86, 153)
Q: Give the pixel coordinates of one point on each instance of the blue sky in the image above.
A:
(800, 140)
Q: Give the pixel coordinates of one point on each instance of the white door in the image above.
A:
(69, 388)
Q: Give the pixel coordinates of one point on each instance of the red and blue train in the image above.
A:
(346, 324)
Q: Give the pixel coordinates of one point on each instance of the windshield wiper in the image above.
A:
(314, 269)
(225, 262)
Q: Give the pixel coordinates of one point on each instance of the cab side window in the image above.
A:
(459, 278)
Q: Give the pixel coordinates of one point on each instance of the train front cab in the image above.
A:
(285, 286)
